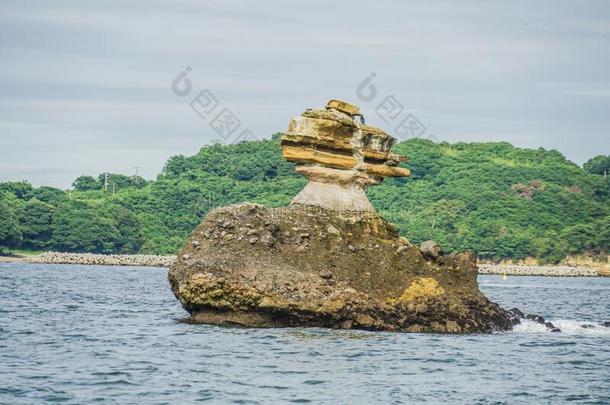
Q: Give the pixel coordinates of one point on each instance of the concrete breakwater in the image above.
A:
(166, 261)
(104, 260)
(549, 271)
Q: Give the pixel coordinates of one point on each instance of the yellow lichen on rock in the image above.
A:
(422, 288)
(206, 289)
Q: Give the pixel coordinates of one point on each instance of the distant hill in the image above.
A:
(502, 201)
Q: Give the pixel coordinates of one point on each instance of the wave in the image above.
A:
(567, 326)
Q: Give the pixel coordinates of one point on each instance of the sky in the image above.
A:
(96, 86)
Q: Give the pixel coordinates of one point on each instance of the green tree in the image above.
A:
(598, 165)
(551, 248)
(95, 228)
(21, 189)
(10, 235)
(130, 238)
(35, 219)
(77, 227)
(50, 195)
(86, 183)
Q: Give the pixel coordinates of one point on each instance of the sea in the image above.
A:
(112, 335)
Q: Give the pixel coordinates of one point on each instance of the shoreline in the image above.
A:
(92, 259)
(542, 271)
(485, 268)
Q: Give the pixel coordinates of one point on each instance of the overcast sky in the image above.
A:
(86, 86)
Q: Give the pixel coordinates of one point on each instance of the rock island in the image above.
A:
(328, 259)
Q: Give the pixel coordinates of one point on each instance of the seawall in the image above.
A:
(549, 271)
(104, 260)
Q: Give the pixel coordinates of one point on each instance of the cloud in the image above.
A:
(85, 86)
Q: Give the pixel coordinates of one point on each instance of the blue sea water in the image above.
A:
(85, 334)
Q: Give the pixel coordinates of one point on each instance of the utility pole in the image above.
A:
(106, 182)
(134, 178)
(113, 187)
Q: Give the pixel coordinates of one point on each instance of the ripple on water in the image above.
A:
(112, 335)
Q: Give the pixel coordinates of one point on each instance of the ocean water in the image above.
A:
(85, 334)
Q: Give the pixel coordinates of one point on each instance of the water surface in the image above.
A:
(83, 334)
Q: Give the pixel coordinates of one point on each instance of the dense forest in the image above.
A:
(502, 201)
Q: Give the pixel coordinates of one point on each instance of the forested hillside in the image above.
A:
(501, 201)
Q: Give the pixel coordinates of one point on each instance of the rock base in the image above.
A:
(336, 197)
(308, 266)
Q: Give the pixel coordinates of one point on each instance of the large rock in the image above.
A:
(431, 250)
(309, 266)
(328, 259)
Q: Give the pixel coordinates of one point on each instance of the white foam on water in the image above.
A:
(527, 326)
(567, 326)
(581, 328)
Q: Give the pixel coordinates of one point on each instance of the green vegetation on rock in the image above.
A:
(502, 201)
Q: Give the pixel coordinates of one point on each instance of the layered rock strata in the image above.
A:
(340, 156)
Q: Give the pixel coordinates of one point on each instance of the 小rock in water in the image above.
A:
(328, 259)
